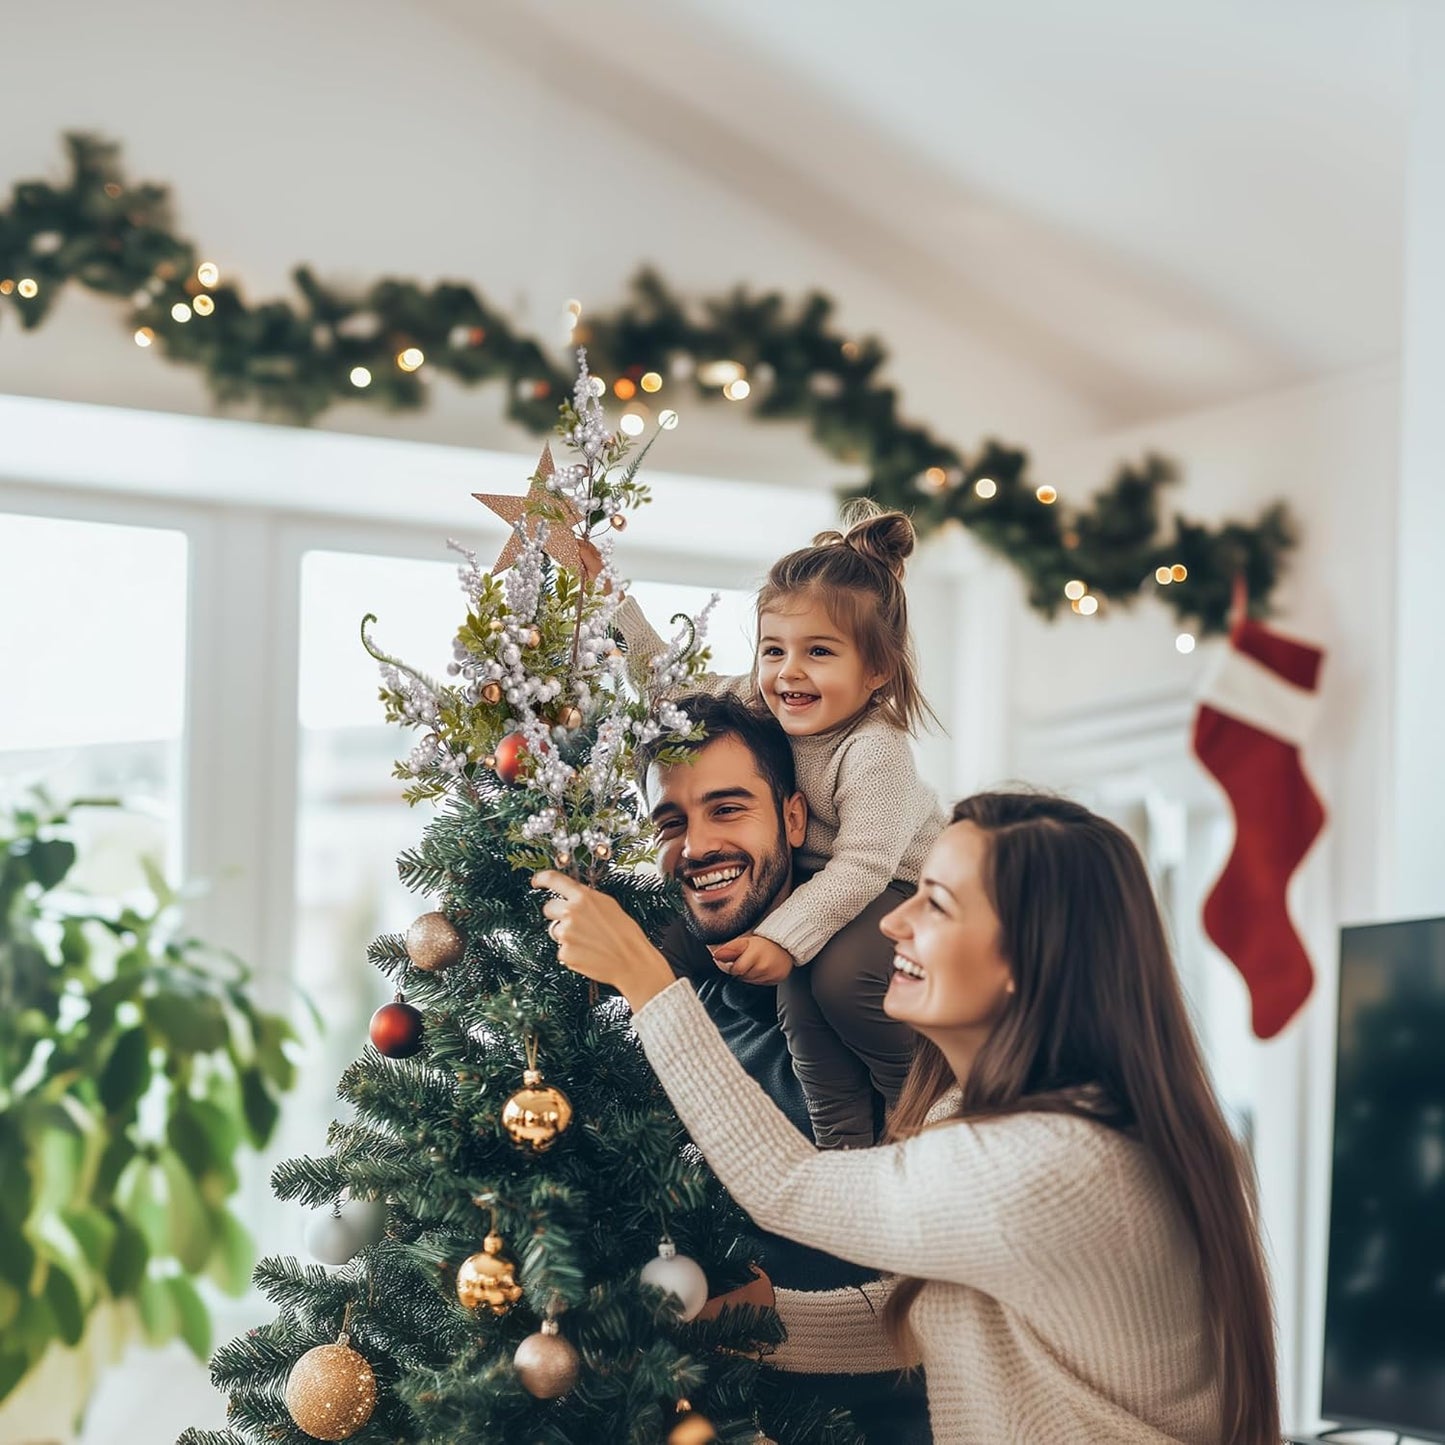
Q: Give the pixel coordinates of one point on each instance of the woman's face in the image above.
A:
(949, 980)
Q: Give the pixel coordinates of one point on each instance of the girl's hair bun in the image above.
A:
(886, 538)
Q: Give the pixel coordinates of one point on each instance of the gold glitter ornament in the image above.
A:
(433, 942)
(486, 1278)
(491, 693)
(331, 1391)
(546, 1364)
(537, 1113)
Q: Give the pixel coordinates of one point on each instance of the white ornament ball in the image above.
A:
(366, 1218)
(330, 1239)
(677, 1275)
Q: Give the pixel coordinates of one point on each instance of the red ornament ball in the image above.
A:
(396, 1030)
(510, 754)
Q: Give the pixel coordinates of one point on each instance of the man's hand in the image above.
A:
(757, 1292)
(753, 959)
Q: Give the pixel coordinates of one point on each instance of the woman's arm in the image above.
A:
(836, 1332)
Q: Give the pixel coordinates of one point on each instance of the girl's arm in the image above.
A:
(881, 804)
(644, 644)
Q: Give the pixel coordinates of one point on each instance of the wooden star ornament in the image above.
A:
(562, 544)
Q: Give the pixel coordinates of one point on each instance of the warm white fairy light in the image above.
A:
(360, 376)
(1178, 572)
(1047, 495)
(180, 312)
(737, 390)
(203, 305)
(986, 487)
(668, 420)
(1074, 590)
(411, 358)
(651, 381)
(208, 273)
(27, 287)
(1184, 642)
(144, 336)
(1088, 605)
(632, 424)
(720, 373)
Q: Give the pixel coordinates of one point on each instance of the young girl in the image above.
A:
(835, 666)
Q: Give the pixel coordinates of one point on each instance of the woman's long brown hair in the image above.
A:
(1097, 1026)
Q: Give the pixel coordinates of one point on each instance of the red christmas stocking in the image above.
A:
(1253, 715)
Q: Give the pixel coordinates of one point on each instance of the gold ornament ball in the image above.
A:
(569, 717)
(491, 693)
(495, 625)
(331, 1392)
(617, 521)
(602, 851)
(531, 637)
(485, 1278)
(433, 942)
(546, 1364)
(692, 1429)
(537, 1113)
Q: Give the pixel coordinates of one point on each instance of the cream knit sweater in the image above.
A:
(1063, 1305)
(871, 818)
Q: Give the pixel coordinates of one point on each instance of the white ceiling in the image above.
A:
(1162, 204)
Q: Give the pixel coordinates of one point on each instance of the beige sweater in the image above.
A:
(871, 818)
(1063, 1305)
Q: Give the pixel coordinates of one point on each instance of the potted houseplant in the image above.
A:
(133, 1066)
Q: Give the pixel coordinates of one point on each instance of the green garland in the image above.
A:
(294, 360)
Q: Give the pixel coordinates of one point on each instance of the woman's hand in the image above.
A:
(598, 939)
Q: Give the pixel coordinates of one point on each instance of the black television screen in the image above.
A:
(1384, 1359)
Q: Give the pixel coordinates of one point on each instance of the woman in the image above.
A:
(1068, 1216)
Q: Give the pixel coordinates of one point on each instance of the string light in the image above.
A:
(850, 350)
(360, 376)
(208, 273)
(144, 336)
(631, 423)
(1163, 576)
(668, 420)
(1047, 495)
(1087, 606)
(737, 390)
(1184, 642)
(1074, 590)
(719, 373)
(27, 287)
(624, 388)
(203, 305)
(935, 479)
(411, 358)
(574, 309)
(651, 381)
(6, 286)
(986, 487)
(180, 312)
(1179, 571)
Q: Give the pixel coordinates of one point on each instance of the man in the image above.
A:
(728, 818)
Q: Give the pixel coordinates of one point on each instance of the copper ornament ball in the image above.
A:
(547, 1365)
(396, 1030)
(569, 717)
(433, 942)
(491, 693)
(485, 1278)
(537, 1113)
(509, 755)
(331, 1392)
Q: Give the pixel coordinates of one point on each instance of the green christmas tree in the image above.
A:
(499, 1221)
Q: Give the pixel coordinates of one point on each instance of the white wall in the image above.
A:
(1330, 451)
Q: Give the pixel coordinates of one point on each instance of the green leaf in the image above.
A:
(50, 861)
(129, 1255)
(188, 1225)
(17, 1258)
(64, 1300)
(193, 1319)
(159, 1312)
(94, 1232)
(273, 1033)
(260, 1108)
(127, 1072)
(189, 1023)
(233, 1256)
(13, 1368)
(139, 1196)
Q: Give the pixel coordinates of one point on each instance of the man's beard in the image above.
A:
(768, 873)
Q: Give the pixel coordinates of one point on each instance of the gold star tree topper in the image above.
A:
(575, 553)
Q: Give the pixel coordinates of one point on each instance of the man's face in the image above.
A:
(722, 838)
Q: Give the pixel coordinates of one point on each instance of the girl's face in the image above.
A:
(810, 672)
(950, 981)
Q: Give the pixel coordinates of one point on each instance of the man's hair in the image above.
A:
(726, 716)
